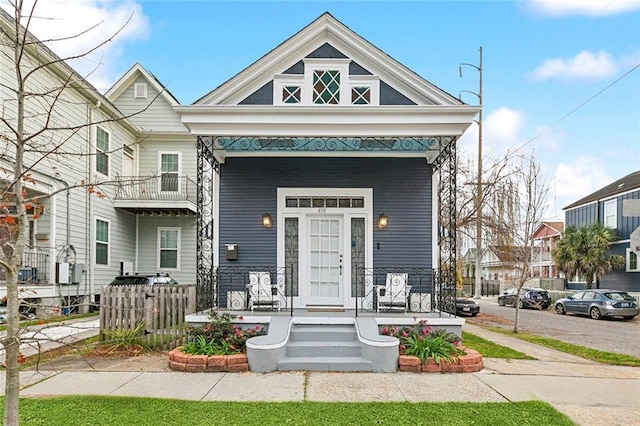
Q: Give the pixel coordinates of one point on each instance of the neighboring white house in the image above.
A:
(142, 217)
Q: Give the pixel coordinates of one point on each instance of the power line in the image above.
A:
(578, 107)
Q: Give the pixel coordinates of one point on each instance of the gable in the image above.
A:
(327, 41)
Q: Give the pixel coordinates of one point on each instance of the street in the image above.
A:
(610, 335)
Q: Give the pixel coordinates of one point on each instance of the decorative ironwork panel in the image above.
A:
(416, 144)
(207, 168)
(357, 256)
(291, 255)
(446, 166)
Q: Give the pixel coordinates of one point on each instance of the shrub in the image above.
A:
(424, 342)
(219, 337)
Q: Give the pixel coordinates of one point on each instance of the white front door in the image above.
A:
(325, 261)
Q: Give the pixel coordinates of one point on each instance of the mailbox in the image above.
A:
(232, 251)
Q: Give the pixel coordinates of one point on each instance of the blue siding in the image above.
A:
(401, 187)
(594, 212)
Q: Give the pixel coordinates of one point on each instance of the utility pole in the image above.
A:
(478, 201)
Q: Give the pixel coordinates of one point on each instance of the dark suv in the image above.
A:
(530, 297)
(150, 280)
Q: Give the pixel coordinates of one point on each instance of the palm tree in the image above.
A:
(584, 251)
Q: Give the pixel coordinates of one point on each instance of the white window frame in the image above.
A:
(160, 248)
(140, 91)
(340, 65)
(100, 151)
(610, 213)
(179, 172)
(628, 261)
(282, 80)
(95, 242)
(370, 81)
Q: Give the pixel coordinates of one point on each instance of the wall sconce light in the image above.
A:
(382, 221)
(266, 220)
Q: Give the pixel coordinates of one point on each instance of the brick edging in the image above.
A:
(180, 361)
(470, 362)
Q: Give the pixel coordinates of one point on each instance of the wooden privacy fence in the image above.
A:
(162, 309)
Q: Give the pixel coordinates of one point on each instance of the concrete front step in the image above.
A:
(323, 333)
(323, 349)
(325, 364)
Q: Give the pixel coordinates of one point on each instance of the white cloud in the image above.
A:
(558, 8)
(67, 18)
(585, 65)
(580, 178)
(502, 126)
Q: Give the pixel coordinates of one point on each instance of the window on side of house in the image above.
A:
(168, 248)
(140, 91)
(326, 87)
(102, 242)
(169, 171)
(611, 214)
(632, 261)
(102, 151)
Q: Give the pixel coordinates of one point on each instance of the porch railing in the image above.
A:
(34, 269)
(230, 289)
(163, 187)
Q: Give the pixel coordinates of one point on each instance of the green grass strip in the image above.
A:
(105, 411)
(489, 349)
(603, 357)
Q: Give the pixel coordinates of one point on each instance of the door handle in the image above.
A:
(340, 264)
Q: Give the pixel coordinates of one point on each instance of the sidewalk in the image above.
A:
(589, 393)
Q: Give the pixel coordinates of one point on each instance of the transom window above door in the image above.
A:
(326, 82)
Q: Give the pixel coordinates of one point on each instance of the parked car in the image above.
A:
(599, 303)
(150, 280)
(530, 297)
(465, 305)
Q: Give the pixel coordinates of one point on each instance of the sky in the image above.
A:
(561, 78)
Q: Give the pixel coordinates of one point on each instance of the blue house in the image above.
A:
(327, 164)
(616, 206)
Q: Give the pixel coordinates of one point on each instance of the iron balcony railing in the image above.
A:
(231, 288)
(163, 187)
(34, 269)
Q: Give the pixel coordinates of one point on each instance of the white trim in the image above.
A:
(94, 242)
(327, 120)
(177, 249)
(282, 80)
(160, 172)
(140, 91)
(302, 214)
(109, 144)
(610, 218)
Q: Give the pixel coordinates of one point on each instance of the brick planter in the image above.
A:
(471, 362)
(179, 361)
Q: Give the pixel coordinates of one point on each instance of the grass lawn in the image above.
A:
(106, 411)
(489, 349)
(581, 351)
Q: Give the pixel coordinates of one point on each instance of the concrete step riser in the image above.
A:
(331, 349)
(322, 335)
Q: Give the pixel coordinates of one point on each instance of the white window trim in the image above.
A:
(95, 242)
(607, 204)
(628, 261)
(178, 249)
(110, 141)
(160, 154)
(282, 80)
(341, 65)
(370, 81)
(140, 91)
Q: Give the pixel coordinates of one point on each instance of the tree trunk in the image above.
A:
(12, 350)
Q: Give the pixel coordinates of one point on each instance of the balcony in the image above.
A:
(161, 195)
(34, 270)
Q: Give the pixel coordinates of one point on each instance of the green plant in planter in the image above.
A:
(427, 347)
(219, 337)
